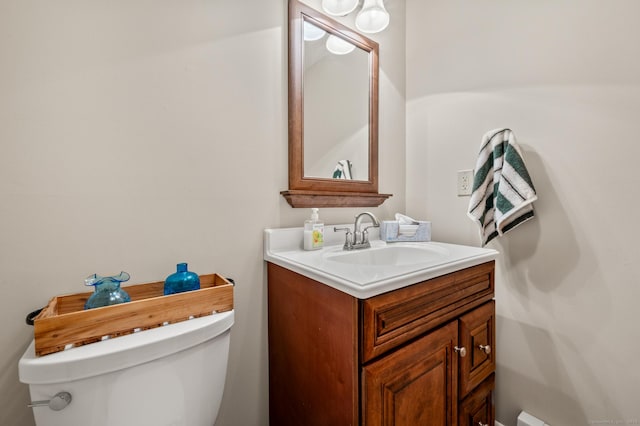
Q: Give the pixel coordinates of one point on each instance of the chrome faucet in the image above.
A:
(358, 239)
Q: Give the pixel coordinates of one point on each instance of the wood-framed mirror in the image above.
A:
(333, 113)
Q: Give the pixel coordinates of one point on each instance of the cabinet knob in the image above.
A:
(483, 424)
(462, 351)
(485, 348)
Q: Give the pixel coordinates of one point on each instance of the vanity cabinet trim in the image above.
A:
(394, 318)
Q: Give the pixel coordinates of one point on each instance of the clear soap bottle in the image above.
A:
(313, 232)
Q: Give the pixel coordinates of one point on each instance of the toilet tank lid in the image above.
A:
(121, 352)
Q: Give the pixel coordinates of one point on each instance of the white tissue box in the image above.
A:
(391, 231)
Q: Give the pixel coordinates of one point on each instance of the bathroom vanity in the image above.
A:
(416, 353)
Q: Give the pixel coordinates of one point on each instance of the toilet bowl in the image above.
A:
(167, 376)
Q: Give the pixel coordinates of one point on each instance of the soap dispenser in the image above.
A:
(313, 232)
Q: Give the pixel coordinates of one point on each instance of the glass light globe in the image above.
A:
(373, 17)
(339, 7)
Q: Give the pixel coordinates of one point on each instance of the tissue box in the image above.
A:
(390, 231)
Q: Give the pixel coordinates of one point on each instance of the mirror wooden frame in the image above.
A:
(315, 191)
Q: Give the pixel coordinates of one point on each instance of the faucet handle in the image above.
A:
(365, 233)
(347, 241)
(364, 238)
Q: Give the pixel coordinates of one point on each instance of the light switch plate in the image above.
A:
(465, 182)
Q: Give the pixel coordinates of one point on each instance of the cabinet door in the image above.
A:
(477, 335)
(477, 408)
(415, 385)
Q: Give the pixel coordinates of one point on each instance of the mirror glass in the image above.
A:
(336, 106)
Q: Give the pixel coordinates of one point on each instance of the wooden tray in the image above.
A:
(64, 321)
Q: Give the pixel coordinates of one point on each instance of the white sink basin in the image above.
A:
(368, 272)
(396, 254)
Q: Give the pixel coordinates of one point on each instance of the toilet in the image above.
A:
(167, 376)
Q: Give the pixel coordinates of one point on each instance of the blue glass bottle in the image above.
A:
(107, 290)
(182, 280)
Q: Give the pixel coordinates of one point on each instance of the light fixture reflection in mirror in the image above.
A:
(338, 46)
(373, 17)
(339, 7)
(312, 33)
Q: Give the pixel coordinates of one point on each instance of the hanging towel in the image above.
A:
(342, 170)
(503, 192)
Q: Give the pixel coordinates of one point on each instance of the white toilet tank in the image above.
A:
(167, 376)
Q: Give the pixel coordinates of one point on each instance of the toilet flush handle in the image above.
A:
(57, 403)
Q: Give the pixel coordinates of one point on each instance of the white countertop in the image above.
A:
(283, 247)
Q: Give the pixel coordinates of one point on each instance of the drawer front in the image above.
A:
(477, 336)
(396, 317)
(477, 409)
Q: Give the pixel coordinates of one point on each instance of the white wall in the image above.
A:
(565, 76)
(138, 134)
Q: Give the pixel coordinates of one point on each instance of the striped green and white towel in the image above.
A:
(343, 170)
(503, 192)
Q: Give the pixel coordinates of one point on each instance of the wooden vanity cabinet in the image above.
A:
(392, 359)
